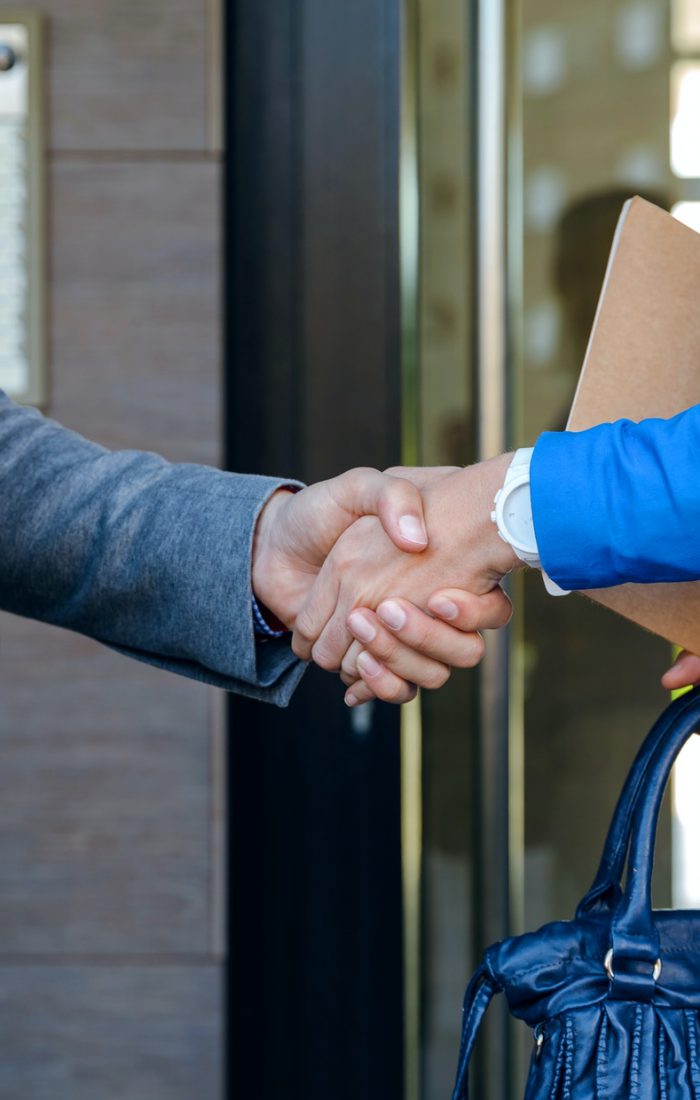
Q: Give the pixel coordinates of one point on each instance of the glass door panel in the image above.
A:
(604, 97)
(446, 437)
(596, 114)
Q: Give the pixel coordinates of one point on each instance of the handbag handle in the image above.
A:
(480, 991)
(634, 933)
(606, 889)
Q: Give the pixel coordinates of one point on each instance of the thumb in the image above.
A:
(684, 672)
(396, 502)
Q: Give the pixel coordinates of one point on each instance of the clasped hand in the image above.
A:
(347, 565)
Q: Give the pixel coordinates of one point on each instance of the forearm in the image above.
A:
(619, 502)
(148, 557)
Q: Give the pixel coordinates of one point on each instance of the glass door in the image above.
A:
(572, 108)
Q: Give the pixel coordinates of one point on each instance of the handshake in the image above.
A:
(386, 578)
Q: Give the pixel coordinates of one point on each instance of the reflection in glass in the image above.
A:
(688, 213)
(595, 81)
(545, 59)
(686, 827)
(685, 124)
(686, 25)
(591, 679)
(446, 437)
(639, 34)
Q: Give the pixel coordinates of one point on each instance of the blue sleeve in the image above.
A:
(619, 502)
(149, 557)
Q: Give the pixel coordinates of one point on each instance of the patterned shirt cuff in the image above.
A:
(263, 629)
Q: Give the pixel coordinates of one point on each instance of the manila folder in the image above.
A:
(643, 359)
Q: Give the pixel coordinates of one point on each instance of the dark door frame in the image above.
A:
(312, 386)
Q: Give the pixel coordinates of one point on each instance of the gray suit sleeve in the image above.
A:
(151, 558)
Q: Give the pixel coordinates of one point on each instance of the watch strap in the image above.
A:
(520, 465)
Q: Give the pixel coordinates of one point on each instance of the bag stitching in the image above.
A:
(635, 1069)
(549, 966)
(505, 981)
(601, 1068)
(569, 1057)
(692, 1040)
(558, 1066)
(663, 1066)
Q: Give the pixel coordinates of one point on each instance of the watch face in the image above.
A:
(517, 519)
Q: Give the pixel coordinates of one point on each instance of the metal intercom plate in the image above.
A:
(22, 243)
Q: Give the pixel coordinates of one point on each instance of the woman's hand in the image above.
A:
(364, 569)
(399, 647)
(684, 672)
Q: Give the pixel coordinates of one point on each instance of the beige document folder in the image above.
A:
(643, 359)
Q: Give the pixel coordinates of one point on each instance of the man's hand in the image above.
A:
(364, 568)
(296, 531)
(684, 672)
(399, 647)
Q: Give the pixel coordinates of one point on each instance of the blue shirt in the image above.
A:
(619, 502)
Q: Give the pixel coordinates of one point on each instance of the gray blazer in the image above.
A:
(151, 558)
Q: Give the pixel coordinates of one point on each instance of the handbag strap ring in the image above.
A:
(608, 963)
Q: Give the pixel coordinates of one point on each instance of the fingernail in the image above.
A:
(361, 627)
(367, 663)
(443, 607)
(350, 700)
(413, 530)
(392, 614)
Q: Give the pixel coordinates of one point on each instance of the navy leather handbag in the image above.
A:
(613, 996)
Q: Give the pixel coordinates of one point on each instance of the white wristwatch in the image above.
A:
(512, 515)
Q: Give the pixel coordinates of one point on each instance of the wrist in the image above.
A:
(464, 542)
(513, 517)
(502, 553)
(265, 560)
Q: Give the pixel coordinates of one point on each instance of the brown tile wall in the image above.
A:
(110, 772)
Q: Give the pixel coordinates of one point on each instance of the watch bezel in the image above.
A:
(527, 552)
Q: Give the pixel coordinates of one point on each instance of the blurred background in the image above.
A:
(290, 237)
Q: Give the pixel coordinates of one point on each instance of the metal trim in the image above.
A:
(411, 726)
(36, 392)
(497, 231)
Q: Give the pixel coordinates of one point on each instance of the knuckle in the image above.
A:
(397, 486)
(304, 628)
(391, 691)
(300, 647)
(324, 659)
(349, 662)
(384, 647)
(499, 605)
(506, 611)
(359, 474)
(437, 677)
(427, 634)
(349, 667)
(362, 693)
(408, 692)
(474, 652)
(469, 608)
